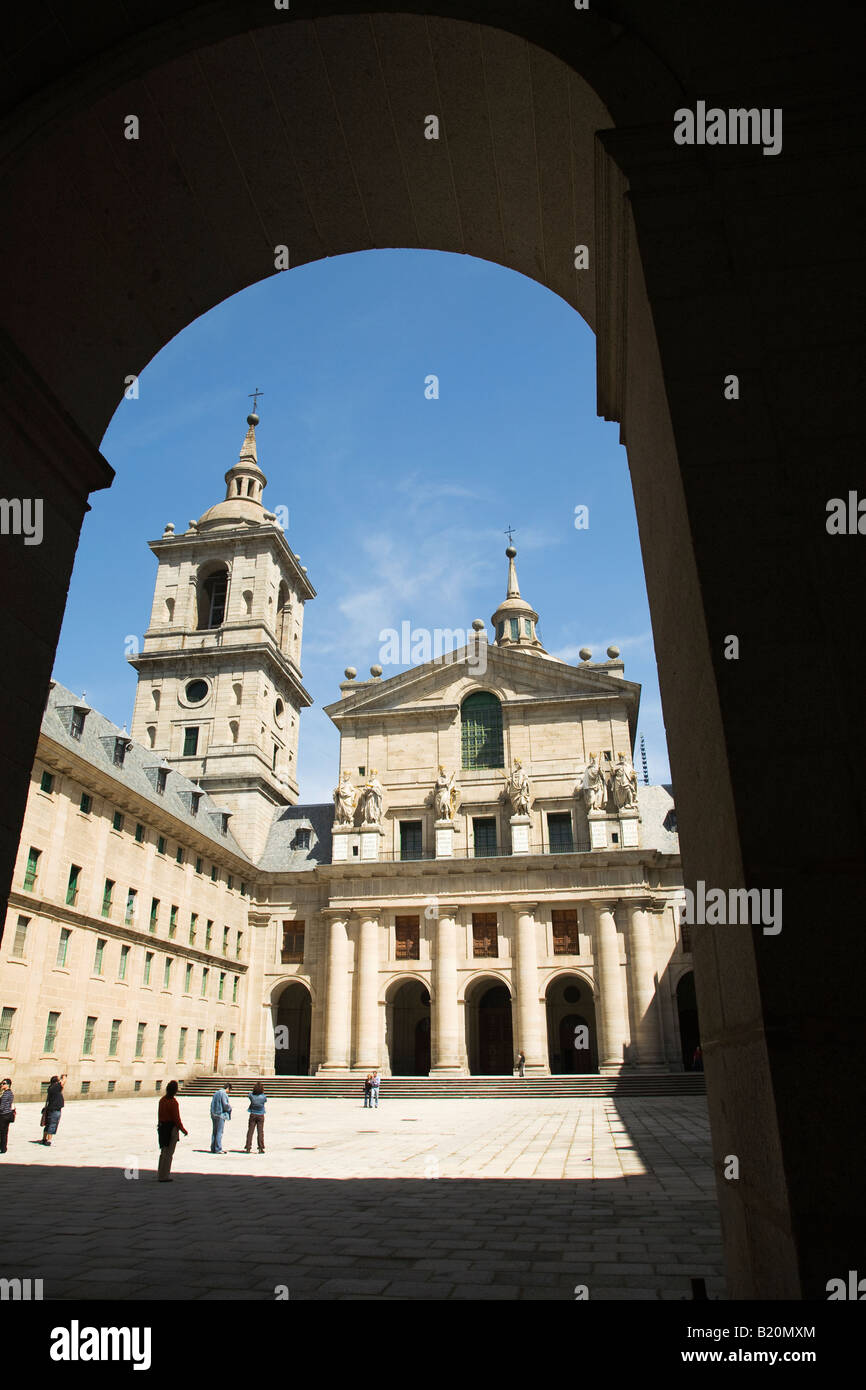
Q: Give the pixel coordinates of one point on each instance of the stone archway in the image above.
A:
(407, 1028)
(489, 1028)
(572, 1039)
(293, 1013)
(687, 1018)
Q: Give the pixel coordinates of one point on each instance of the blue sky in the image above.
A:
(397, 503)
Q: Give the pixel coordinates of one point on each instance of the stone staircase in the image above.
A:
(630, 1084)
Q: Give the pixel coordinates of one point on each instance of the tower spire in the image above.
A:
(515, 620)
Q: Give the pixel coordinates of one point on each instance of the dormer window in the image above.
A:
(76, 727)
(302, 839)
(161, 779)
(120, 747)
(194, 800)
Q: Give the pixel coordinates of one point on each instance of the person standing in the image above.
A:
(54, 1103)
(521, 1064)
(220, 1111)
(168, 1128)
(374, 1090)
(256, 1122)
(368, 1091)
(7, 1110)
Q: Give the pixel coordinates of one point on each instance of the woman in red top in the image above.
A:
(169, 1126)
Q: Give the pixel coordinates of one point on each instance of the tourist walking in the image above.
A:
(54, 1103)
(7, 1110)
(698, 1059)
(169, 1127)
(374, 1090)
(220, 1111)
(368, 1091)
(521, 1064)
(256, 1122)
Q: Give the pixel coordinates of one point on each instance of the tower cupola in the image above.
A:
(515, 620)
(245, 483)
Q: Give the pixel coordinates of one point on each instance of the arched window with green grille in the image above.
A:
(481, 731)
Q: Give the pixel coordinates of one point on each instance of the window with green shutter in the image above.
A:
(32, 871)
(89, 1030)
(6, 1019)
(114, 1039)
(481, 731)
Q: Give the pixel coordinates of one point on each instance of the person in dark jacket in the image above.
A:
(7, 1110)
(256, 1123)
(168, 1128)
(54, 1103)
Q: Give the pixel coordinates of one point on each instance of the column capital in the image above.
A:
(367, 914)
(335, 914)
(523, 908)
(444, 910)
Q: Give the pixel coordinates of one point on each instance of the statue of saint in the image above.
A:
(372, 797)
(593, 786)
(625, 784)
(344, 801)
(519, 790)
(445, 795)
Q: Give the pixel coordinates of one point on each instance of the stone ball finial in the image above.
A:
(253, 419)
(169, 528)
(375, 672)
(510, 552)
(585, 653)
(613, 653)
(351, 673)
(478, 624)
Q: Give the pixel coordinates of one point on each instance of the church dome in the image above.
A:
(514, 621)
(245, 483)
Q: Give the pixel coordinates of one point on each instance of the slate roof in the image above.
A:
(96, 746)
(281, 856)
(658, 819)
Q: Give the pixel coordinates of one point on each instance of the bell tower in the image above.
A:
(219, 691)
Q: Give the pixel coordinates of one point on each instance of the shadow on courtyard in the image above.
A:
(92, 1233)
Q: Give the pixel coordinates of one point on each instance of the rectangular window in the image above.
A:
(148, 964)
(120, 746)
(302, 839)
(52, 1028)
(31, 873)
(114, 1039)
(214, 873)
(160, 844)
(485, 934)
(111, 1086)
(161, 779)
(47, 783)
(160, 1040)
(193, 923)
(484, 831)
(6, 1020)
(99, 955)
(106, 897)
(234, 989)
(230, 882)
(76, 727)
(239, 945)
(566, 941)
(166, 975)
(136, 1085)
(187, 980)
(222, 984)
(274, 757)
(86, 803)
(172, 921)
(199, 1043)
(89, 1030)
(139, 833)
(514, 628)
(72, 885)
(179, 856)
(117, 822)
(527, 627)
(130, 906)
(63, 946)
(154, 913)
(686, 937)
(198, 864)
(19, 945)
(181, 1043)
(243, 890)
(124, 962)
(193, 803)
(85, 1088)
(232, 1037)
(208, 935)
(407, 931)
(560, 832)
(410, 839)
(190, 741)
(293, 943)
(225, 941)
(139, 1040)
(204, 979)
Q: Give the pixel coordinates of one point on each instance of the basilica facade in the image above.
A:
(490, 879)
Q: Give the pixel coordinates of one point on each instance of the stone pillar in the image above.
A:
(445, 1030)
(530, 1034)
(612, 1013)
(642, 985)
(366, 1051)
(337, 995)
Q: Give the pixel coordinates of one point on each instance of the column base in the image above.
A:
(333, 1069)
(438, 1072)
(613, 1068)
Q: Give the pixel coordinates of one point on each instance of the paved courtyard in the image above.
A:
(450, 1199)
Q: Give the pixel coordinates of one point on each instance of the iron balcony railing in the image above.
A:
(581, 845)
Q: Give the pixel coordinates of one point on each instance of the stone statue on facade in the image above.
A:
(445, 795)
(518, 789)
(625, 784)
(344, 801)
(372, 796)
(593, 786)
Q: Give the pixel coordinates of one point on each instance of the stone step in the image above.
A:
(462, 1087)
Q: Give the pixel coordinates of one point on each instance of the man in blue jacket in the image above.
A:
(220, 1111)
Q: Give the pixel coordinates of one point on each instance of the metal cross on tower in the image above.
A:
(508, 532)
(255, 399)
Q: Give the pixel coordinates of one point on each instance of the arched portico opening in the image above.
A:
(407, 1028)
(687, 1018)
(489, 1028)
(572, 1039)
(293, 1014)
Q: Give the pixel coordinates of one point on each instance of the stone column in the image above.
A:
(642, 987)
(530, 1038)
(612, 1013)
(337, 994)
(445, 1039)
(366, 1051)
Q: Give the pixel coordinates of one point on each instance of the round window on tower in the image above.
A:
(279, 712)
(196, 691)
